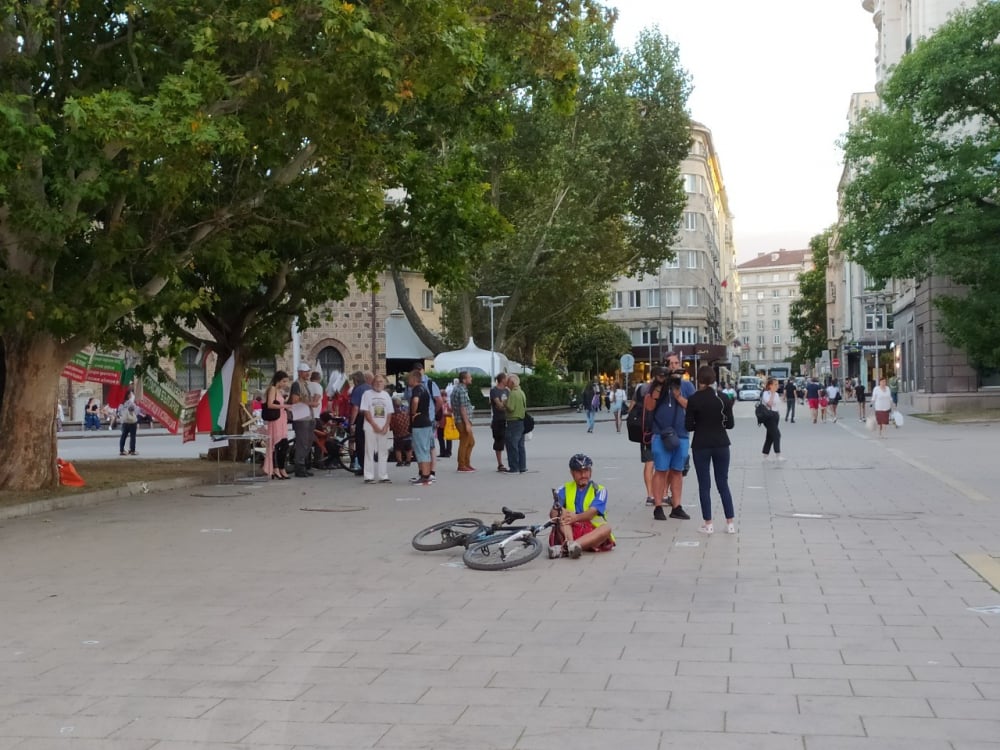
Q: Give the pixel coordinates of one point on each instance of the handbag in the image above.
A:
(529, 423)
(670, 440)
(269, 415)
(450, 430)
(762, 412)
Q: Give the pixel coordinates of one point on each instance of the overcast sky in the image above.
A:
(772, 81)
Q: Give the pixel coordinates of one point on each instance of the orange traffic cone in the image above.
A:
(67, 474)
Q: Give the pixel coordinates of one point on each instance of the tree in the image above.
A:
(589, 192)
(596, 347)
(141, 141)
(923, 197)
(807, 313)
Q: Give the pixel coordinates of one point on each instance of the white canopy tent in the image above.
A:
(473, 359)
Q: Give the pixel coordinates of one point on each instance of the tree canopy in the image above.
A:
(596, 347)
(807, 313)
(923, 195)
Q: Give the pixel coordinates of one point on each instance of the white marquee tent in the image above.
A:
(473, 359)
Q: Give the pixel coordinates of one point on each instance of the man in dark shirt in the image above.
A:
(498, 424)
(421, 426)
(812, 396)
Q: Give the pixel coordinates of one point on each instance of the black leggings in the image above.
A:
(281, 454)
(773, 436)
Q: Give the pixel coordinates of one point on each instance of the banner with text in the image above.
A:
(189, 417)
(106, 369)
(76, 368)
(162, 399)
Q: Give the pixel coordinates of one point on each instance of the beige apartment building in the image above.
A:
(689, 305)
(768, 285)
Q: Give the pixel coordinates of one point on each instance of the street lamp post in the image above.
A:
(492, 302)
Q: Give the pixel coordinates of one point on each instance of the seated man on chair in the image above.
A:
(580, 506)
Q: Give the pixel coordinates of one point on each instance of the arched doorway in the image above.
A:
(190, 372)
(330, 361)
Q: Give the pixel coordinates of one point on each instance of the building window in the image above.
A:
(635, 298)
(672, 264)
(760, 296)
(775, 292)
(744, 325)
(259, 374)
(874, 320)
(693, 259)
(745, 296)
(776, 325)
(760, 355)
(776, 309)
(693, 183)
(616, 300)
(760, 325)
(427, 299)
(649, 336)
(760, 341)
(652, 298)
(746, 311)
(693, 298)
(672, 297)
(190, 372)
(690, 221)
(760, 309)
(777, 338)
(330, 361)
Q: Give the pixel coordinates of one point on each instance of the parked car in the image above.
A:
(748, 388)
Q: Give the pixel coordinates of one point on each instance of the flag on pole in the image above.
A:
(218, 394)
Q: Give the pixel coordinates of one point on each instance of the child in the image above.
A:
(580, 505)
(400, 426)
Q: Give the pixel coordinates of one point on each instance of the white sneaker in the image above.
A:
(575, 550)
(730, 528)
(780, 458)
(555, 552)
(706, 528)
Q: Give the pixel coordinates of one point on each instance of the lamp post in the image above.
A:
(492, 302)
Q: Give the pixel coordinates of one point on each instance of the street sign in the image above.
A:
(836, 363)
(627, 363)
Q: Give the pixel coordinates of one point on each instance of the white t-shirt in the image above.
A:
(618, 399)
(832, 392)
(316, 395)
(882, 398)
(378, 404)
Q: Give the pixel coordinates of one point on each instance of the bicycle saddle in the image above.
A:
(509, 516)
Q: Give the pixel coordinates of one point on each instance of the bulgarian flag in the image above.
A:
(214, 406)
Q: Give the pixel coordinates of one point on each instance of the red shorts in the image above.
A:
(814, 403)
(580, 529)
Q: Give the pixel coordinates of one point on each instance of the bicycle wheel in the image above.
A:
(488, 555)
(447, 534)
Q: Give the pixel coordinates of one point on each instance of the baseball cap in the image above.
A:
(305, 367)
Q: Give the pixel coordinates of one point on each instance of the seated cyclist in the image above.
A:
(580, 506)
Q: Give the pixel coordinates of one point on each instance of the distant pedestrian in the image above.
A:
(619, 403)
(645, 451)
(710, 415)
(812, 396)
(773, 437)
(859, 392)
(882, 405)
(399, 424)
(277, 428)
(461, 408)
(303, 420)
(790, 393)
(516, 407)
(128, 418)
(498, 412)
(592, 402)
(362, 382)
(833, 398)
(421, 427)
(376, 408)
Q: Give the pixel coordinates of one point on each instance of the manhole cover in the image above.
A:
(343, 509)
(635, 534)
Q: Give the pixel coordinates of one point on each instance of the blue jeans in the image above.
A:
(514, 437)
(590, 418)
(718, 458)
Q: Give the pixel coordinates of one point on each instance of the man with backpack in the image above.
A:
(592, 402)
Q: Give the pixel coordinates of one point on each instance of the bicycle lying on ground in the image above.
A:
(499, 546)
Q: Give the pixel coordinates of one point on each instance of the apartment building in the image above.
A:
(689, 305)
(768, 285)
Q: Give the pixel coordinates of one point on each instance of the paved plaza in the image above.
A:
(296, 614)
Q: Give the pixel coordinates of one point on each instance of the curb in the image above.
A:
(87, 499)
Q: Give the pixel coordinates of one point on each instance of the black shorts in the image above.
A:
(499, 433)
(645, 453)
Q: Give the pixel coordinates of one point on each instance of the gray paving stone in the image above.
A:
(296, 733)
(973, 730)
(856, 706)
(450, 738)
(794, 724)
(559, 738)
(239, 709)
(873, 743)
(640, 717)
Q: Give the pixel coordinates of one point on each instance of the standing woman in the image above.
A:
(709, 415)
(882, 404)
(859, 391)
(277, 428)
(618, 402)
(376, 408)
(772, 401)
(128, 418)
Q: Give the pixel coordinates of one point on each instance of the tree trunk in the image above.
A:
(32, 365)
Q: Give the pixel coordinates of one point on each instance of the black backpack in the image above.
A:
(635, 420)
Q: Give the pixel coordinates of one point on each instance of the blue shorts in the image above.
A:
(423, 441)
(664, 460)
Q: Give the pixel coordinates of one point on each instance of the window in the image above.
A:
(776, 277)
(874, 319)
(760, 341)
(649, 336)
(777, 338)
(775, 309)
(616, 300)
(760, 325)
(760, 296)
(744, 325)
(775, 292)
(776, 325)
(746, 311)
(694, 183)
(427, 299)
(259, 374)
(690, 221)
(669, 265)
(693, 298)
(831, 292)
(760, 309)
(330, 361)
(745, 296)
(790, 291)
(672, 297)
(760, 355)
(685, 336)
(635, 298)
(693, 259)
(652, 298)
(190, 372)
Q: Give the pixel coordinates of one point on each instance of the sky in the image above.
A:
(772, 81)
